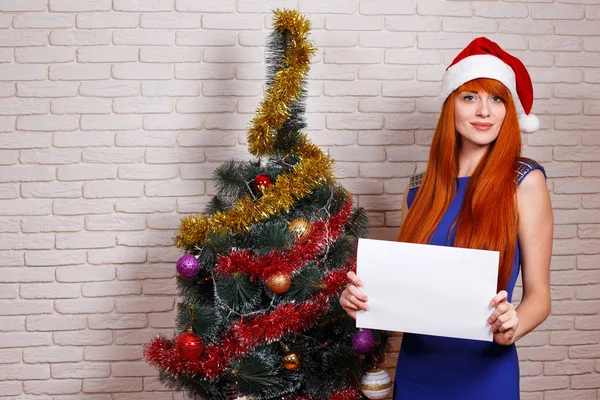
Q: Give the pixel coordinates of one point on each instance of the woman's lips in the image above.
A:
(482, 126)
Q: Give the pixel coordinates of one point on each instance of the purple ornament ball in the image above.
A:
(187, 266)
(363, 341)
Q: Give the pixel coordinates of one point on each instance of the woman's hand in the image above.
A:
(504, 320)
(352, 299)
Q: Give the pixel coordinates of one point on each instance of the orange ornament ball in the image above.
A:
(301, 228)
(291, 361)
(279, 283)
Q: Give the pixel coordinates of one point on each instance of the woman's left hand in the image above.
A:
(504, 320)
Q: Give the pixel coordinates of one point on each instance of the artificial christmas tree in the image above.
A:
(259, 316)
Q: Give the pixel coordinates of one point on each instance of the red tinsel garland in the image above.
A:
(262, 267)
(350, 393)
(248, 333)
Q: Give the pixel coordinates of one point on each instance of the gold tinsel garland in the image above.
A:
(314, 168)
(290, 186)
(286, 86)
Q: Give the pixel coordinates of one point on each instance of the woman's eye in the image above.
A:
(497, 99)
(468, 97)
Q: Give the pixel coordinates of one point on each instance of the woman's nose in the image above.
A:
(483, 109)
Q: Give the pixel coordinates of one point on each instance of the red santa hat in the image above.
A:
(483, 58)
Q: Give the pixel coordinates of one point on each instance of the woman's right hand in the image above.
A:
(352, 299)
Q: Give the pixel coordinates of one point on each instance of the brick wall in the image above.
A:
(114, 113)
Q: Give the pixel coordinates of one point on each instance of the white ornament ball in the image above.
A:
(235, 395)
(376, 384)
(239, 397)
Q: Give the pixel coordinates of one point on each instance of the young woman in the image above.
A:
(478, 192)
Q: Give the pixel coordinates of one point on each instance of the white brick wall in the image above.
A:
(113, 115)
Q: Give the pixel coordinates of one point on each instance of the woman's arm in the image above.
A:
(404, 204)
(535, 232)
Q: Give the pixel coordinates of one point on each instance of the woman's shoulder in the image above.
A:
(525, 166)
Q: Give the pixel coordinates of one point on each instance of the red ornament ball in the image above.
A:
(189, 345)
(262, 182)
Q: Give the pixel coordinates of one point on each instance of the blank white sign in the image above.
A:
(426, 289)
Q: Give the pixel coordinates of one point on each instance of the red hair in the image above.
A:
(487, 219)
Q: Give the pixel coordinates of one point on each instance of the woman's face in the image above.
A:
(478, 117)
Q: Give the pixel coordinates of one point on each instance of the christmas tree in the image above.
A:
(259, 316)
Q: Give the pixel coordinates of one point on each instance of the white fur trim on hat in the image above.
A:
(528, 123)
(487, 66)
(479, 66)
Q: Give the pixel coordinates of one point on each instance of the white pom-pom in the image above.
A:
(528, 123)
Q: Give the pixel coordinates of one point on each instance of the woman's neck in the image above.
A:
(469, 158)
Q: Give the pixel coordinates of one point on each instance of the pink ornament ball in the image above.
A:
(187, 266)
(363, 341)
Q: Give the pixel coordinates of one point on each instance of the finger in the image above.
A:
(345, 293)
(494, 317)
(352, 290)
(354, 278)
(504, 318)
(498, 318)
(349, 305)
(358, 303)
(357, 293)
(500, 297)
(502, 308)
(352, 302)
(505, 338)
(510, 325)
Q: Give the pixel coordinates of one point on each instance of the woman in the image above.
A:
(477, 192)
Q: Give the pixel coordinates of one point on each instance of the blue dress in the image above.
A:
(441, 368)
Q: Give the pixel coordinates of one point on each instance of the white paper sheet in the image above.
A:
(433, 290)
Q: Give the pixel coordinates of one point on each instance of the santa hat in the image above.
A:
(483, 58)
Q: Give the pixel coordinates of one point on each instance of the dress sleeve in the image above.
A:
(526, 165)
(413, 187)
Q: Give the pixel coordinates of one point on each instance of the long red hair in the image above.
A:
(488, 217)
